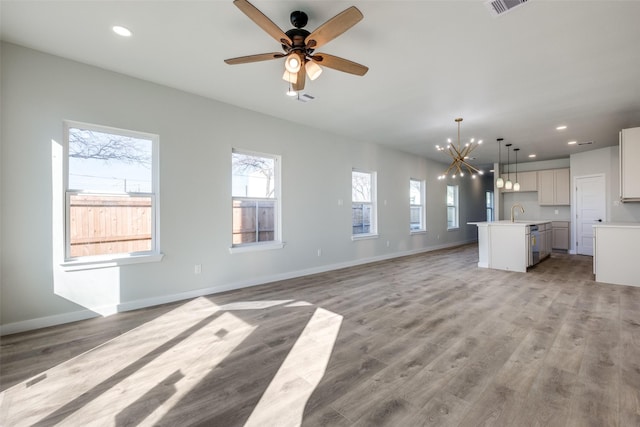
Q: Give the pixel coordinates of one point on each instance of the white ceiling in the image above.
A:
(515, 76)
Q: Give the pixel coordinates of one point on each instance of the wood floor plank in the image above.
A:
(428, 339)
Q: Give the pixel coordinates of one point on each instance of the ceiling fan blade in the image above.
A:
(300, 77)
(261, 19)
(334, 27)
(254, 58)
(340, 64)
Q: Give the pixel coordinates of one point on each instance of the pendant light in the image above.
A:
(516, 186)
(508, 185)
(499, 181)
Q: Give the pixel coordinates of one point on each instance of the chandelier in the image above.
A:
(459, 156)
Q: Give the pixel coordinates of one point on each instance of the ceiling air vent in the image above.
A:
(585, 143)
(500, 7)
(304, 97)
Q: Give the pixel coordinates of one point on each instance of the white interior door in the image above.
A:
(590, 209)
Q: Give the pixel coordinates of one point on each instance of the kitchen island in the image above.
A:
(512, 245)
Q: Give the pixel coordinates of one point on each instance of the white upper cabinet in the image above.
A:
(554, 187)
(629, 171)
(528, 181)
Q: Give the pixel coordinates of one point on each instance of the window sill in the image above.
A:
(253, 247)
(418, 232)
(107, 262)
(355, 237)
(453, 228)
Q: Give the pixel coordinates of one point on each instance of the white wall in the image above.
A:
(39, 91)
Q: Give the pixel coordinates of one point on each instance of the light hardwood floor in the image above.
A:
(428, 340)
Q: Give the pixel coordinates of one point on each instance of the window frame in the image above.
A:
(489, 207)
(373, 225)
(108, 260)
(277, 243)
(455, 206)
(422, 207)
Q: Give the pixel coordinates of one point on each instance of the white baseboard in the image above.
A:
(43, 322)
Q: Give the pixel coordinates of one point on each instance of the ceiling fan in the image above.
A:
(299, 44)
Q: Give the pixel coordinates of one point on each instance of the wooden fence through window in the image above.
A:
(100, 225)
(253, 221)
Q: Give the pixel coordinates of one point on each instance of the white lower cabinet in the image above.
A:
(615, 253)
(560, 235)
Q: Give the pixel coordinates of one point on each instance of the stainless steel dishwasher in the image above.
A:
(534, 247)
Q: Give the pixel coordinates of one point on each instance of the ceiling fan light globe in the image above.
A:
(292, 64)
(313, 70)
(290, 77)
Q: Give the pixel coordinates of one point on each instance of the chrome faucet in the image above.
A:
(517, 205)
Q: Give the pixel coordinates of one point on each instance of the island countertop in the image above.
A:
(503, 222)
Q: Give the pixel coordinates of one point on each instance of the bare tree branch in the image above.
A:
(245, 164)
(87, 144)
(361, 187)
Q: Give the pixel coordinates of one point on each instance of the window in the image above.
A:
(363, 208)
(452, 206)
(489, 204)
(111, 203)
(255, 199)
(416, 205)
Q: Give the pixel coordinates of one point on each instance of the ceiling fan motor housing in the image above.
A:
(297, 37)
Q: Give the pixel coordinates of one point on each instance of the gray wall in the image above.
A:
(604, 161)
(39, 91)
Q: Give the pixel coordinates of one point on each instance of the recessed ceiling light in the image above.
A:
(563, 127)
(121, 31)
(572, 142)
(532, 155)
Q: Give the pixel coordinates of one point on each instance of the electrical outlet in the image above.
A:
(319, 252)
(197, 269)
(387, 243)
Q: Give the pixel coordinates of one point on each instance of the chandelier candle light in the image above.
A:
(459, 155)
